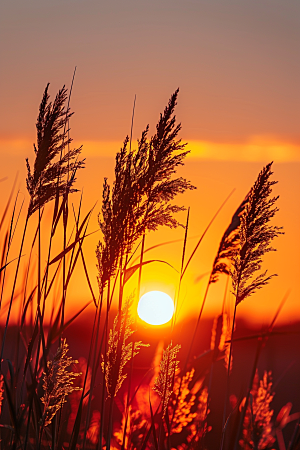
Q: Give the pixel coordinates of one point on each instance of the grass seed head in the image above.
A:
(255, 237)
(119, 352)
(142, 192)
(164, 382)
(183, 401)
(228, 246)
(57, 382)
(257, 427)
(49, 177)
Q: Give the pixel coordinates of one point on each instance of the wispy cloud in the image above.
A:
(256, 148)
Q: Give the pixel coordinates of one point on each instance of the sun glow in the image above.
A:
(155, 308)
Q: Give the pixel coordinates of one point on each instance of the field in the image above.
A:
(100, 377)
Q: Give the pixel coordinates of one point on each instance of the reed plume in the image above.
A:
(142, 191)
(199, 426)
(182, 403)
(119, 352)
(228, 245)
(164, 382)
(48, 177)
(196, 430)
(255, 236)
(58, 382)
(257, 427)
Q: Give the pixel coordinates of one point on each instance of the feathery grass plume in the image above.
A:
(182, 415)
(48, 176)
(257, 427)
(142, 191)
(83, 381)
(255, 236)
(197, 428)
(164, 382)
(119, 352)
(202, 411)
(58, 382)
(228, 245)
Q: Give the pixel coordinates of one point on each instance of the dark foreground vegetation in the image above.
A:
(198, 385)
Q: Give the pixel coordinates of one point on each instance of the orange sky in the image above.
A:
(237, 65)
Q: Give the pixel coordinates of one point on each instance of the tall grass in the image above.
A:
(51, 400)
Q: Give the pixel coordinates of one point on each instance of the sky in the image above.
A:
(237, 64)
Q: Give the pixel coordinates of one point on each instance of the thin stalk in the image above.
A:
(33, 386)
(39, 259)
(8, 248)
(181, 269)
(94, 368)
(87, 368)
(141, 266)
(39, 317)
(228, 378)
(132, 351)
(205, 231)
(208, 284)
(8, 202)
(121, 333)
(64, 267)
(121, 284)
(197, 325)
(65, 205)
(163, 402)
(103, 387)
(178, 295)
(13, 290)
(105, 332)
(213, 360)
(110, 419)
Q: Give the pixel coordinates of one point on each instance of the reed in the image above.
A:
(51, 400)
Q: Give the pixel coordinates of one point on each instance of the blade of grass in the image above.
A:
(205, 231)
(131, 270)
(13, 290)
(8, 201)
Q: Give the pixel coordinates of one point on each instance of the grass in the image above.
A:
(48, 400)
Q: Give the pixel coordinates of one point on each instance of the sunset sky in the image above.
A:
(237, 64)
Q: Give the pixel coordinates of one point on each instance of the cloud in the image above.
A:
(257, 148)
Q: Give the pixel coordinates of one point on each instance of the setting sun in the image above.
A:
(155, 308)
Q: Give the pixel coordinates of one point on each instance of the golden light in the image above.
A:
(155, 308)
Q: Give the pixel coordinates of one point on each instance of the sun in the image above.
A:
(155, 308)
